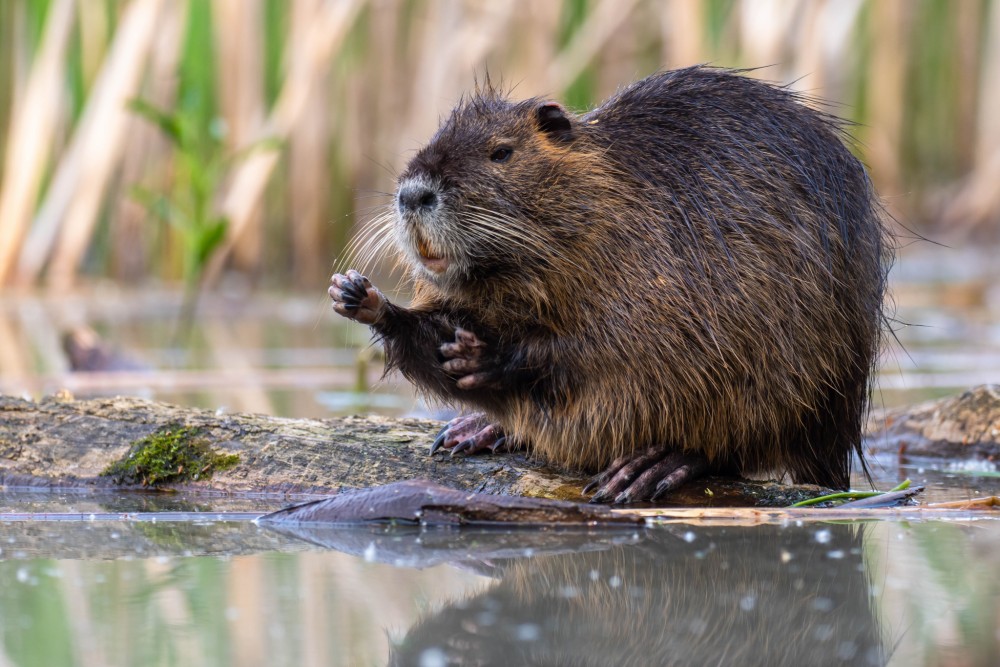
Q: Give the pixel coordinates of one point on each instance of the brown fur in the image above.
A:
(699, 263)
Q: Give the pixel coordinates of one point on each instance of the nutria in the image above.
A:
(687, 279)
(715, 595)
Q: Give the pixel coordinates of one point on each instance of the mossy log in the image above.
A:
(60, 442)
(70, 443)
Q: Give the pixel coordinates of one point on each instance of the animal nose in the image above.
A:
(413, 197)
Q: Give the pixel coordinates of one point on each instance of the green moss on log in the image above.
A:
(172, 454)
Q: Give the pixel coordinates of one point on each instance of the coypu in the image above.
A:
(708, 595)
(687, 279)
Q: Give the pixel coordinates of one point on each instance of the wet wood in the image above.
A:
(67, 443)
(418, 502)
(966, 426)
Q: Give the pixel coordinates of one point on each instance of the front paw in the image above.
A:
(355, 298)
(471, 434)
(468, 359)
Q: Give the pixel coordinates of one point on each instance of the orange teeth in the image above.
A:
(423, 248)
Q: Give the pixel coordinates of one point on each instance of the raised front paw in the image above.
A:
(354, 297)
(470, 434)
(468, 359)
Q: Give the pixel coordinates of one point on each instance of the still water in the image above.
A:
(144, 592)
(139, 579)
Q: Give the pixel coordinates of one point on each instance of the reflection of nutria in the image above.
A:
(764, 596)
(688, 278)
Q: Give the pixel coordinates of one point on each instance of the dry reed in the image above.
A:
(351, 87)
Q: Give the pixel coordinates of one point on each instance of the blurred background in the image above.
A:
(179, 177)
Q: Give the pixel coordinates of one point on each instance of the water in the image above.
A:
(172, 579)
(231, 593)
(290, 356)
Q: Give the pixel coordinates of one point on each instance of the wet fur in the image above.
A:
(699, 262)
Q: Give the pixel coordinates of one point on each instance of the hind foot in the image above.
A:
(646, 475)
(470, 434)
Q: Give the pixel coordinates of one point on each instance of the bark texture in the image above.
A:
(68, 443)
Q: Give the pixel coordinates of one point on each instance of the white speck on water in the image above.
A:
(697, 626)
(433, 657)
(786, 556)
(748, 602)
(836, 554)
(569, 592)
(895, 583)
(689, 537)
(23, 575)
(527, 632)
(846, 650)
(614, 581)
(370, 552)
(823, 536)
(822, 604)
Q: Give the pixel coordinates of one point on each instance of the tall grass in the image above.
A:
(351, 87)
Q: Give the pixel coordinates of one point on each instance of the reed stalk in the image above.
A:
(352, 87)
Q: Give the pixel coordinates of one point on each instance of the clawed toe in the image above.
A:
(646, 475)
(355, 298)
(470, 434)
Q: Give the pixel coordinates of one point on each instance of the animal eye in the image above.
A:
(501, 154)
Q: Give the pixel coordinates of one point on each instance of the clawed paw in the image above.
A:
(467, 358)
(470, 434)
(645, 475)
(355, 298)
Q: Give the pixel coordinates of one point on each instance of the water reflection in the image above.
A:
(695, 596)
(114, 593)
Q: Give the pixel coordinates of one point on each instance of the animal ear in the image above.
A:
(554, 121)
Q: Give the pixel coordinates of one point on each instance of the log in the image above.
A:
(59, 442)
(966, 426)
